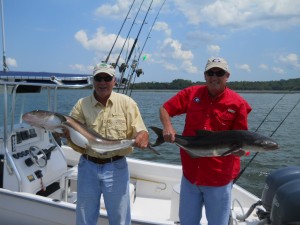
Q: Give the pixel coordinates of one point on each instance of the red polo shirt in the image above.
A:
(226, 112)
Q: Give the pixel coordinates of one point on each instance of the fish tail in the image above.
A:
(160, 138)
(153, 149)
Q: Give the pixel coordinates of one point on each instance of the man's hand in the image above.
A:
(142, 140)
(65, 133)
(169, 134)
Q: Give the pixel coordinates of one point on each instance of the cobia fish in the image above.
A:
(80, 135)
(219, 143)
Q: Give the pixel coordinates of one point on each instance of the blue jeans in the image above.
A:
(215, 199)
(111, 180)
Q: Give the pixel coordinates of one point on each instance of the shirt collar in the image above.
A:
(221, 95)
(110, 99)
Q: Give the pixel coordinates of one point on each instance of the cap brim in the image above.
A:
(102, 71)
(216, 66)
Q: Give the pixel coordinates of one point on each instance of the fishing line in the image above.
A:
(285, 118)
(133, 22)
(107, 58)
(136, 39)
(249, 162)
(148, 36)
(133, 46)
(269, 112)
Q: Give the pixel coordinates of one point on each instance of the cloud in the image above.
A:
(11, 62)
(204, 36)
(118, 10)
(162, 26)
(242, 13)
(278, 70)
(291, 60)
(174, 48)
(174, 58)
(263, 66)
(244, 67)
(79, 67)
(213, 50)
(171, 67)
(101, 42)
(188, 67)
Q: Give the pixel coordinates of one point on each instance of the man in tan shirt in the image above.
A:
(113, 116)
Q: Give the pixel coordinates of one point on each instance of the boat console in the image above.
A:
(34, 163)
(31, 160)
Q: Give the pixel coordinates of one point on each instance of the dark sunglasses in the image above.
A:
(106, 78)
(219, 73)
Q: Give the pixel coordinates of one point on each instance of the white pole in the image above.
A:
(5, 68)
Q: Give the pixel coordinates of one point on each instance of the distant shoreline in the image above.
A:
(239, 91)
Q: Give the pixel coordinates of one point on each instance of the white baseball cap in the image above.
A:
(217, 62)
(104, 68)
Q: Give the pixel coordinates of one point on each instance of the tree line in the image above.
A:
(178, 84)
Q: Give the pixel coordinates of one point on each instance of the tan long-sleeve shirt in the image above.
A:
(120, 118)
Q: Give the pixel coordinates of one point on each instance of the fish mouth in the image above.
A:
(270, 146)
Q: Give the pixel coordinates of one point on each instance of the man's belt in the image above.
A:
(103, 160)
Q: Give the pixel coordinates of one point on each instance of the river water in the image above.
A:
(287, 133)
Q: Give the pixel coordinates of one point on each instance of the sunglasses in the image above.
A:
(219, 73)
(106, 78)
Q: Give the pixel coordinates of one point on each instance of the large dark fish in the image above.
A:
(80, 135)
(219, 143)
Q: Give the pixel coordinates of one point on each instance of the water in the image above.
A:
(287, 135)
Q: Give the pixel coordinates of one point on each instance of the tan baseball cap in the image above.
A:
(104, 68)
(217, 62)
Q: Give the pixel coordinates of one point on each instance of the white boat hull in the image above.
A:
(156, 201)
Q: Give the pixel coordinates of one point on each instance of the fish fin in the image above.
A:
(160, 138)
(191, 154)
(62, 117)
(181, 141)
(153, 149)
(59, 129)
(57, 138)
(204, 133)
(232, 149)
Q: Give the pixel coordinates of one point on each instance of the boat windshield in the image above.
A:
(23, 92)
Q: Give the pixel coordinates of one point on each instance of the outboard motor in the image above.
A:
(286, 204)
(275, 180)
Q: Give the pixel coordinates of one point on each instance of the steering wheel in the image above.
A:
(39, 161)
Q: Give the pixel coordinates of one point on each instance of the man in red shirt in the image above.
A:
(207, 181)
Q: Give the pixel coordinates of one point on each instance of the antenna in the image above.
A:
(5, 67)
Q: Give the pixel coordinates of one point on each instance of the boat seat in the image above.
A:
(72, 174)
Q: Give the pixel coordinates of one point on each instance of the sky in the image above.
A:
(260, 39)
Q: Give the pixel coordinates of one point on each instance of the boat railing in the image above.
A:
(14, 83)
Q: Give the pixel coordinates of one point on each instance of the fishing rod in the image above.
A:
(5, 67)
(135, 41)
(256, 153)
(116, 63)
(107, 58)
(139, 71)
